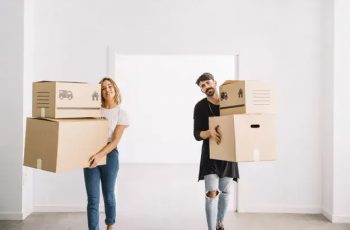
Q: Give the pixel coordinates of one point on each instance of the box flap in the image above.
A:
(230, 81)
(44, 81)
(43, 118)
(67, 119)
(79, 119)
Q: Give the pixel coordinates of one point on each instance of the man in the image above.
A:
(218, 175)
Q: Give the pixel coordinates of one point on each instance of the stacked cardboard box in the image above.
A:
(246, 122)
(66, 128)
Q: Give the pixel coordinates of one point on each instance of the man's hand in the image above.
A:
(215, 133)
(94, 159)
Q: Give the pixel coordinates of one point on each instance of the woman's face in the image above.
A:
(108, 91)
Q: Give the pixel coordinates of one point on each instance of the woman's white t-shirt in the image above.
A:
(115, 116)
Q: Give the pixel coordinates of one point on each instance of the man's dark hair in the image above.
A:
(204, 77)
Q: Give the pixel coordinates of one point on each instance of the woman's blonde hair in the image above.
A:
(117, 97)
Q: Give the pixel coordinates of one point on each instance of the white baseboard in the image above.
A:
(276, 209)
(336, 218)
(13, 215)
(61, 208)
(340, 219)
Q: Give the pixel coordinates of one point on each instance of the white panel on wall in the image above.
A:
(159, 94)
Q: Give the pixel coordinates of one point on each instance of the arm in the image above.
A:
(205, 134)
(199, 134)
(211, 133)
(199, 130)
(117, 134)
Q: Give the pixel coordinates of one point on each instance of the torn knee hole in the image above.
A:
(212, 194)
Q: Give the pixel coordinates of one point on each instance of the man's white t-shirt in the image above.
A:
(115, 116)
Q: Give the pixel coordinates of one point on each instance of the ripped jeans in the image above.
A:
(216, 207)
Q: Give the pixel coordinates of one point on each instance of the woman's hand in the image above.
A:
(117, 134)
(94, 159)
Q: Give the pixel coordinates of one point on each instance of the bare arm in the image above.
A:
(116, 136)
(205, 134)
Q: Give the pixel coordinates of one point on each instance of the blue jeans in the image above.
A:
(216, 207)
(107, 174)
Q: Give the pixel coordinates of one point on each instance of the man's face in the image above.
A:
(208, 87)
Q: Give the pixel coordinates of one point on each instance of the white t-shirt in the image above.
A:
(115, 116)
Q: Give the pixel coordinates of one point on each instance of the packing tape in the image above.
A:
(256, 155)
(38, 163)
(42, 112)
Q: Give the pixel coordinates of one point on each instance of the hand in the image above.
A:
(215, 133)
(94, 159)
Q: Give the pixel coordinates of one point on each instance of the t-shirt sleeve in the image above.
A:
(123, 118)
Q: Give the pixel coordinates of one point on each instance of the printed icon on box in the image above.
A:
(65, 94)
(95, 96)
(240, 93)
(223, 96)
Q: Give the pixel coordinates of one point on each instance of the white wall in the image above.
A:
(326, 111)
(11, 98)
(159, 94)
(278, 40)
(341, 198)
(27, 181)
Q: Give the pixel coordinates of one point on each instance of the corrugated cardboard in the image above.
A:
(238, 97)
(63, 144)
(55, 99)
(244, 137)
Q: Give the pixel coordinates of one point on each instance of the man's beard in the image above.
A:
(210, 91)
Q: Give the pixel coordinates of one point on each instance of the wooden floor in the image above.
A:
(233, 221)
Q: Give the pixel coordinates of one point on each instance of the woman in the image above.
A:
(107, 174)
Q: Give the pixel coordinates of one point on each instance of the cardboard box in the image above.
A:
(244, 137)
(238, 97)
(55, 99)
(63, 144)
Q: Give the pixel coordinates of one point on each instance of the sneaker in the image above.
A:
(221, 227)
